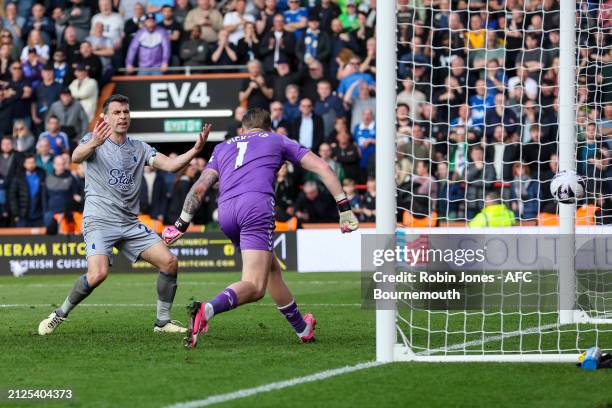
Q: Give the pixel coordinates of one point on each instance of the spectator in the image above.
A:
(314, 44)
(13, 23)
(411, 97)
(326, 153)
(181, 186)
(102, 48)
(32, 69)
(8, 99)
(248, 47)
(234, 21)
(60, 67)
(10, 160)
(547, 202)
(493, 51)
(152, 46)
(61, 189)
(207, 18)
(155, 7)
(194, 51)
(524, 81)
(91, 63)
(173, 29)
(71, 46)
(349, 187)
(347, 154)
(85, 90)
(308, 129)
(369, 63)
(296, 19)
(181, 9)
(533, 58)
(365, 136)
(423, 191)
(354, 75)
(340, 41)
(254, 90)
(524, 192)
(283, 78)
(327, 11)
(78, 16)
(71, 115)
(349, 17)
(58, 140)
(494, 213)
(58, 28)
(23, 141)
(362, 102)
(38, 21)
(36, 43)
(112, 22)
(224, 52)
(276, 114)
(266, 16)
(499, 114)
(5, 61)
(126, 8)
(278, 44)
(479, 103)
(310, 83)
(44, 158)
(153, 195)
(328, 106)
(285, 193)
(314, 206)
(368, 212)
(45, 95)
(479, 177)
(536, 152)
(27, 198)
(21, 108)
(132, 25)
(233, 129)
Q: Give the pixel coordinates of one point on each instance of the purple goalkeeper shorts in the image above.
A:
(248, 220)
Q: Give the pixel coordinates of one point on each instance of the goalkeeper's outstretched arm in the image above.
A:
(313, 163)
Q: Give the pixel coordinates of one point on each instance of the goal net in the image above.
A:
(493, 99)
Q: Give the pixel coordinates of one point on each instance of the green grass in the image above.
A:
(110, 356)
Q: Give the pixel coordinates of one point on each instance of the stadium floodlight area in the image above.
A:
(491, 103)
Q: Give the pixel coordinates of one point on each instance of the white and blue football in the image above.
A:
(567, 187)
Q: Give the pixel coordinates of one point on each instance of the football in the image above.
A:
(567, 187)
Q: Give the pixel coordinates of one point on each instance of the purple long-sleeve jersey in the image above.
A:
(249, 163)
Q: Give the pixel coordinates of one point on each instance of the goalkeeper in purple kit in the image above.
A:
(246, 168)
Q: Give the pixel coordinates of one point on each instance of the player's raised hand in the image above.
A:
(101, 132)
(348, 221)
(171, 234)
(203, 137)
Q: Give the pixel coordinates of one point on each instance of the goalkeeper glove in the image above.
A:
(172, 233)
(348, 221)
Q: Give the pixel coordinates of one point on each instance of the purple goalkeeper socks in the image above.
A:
(224, 301)
(293, 316)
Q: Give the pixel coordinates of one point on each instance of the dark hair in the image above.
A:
(257, 118)
(52, 117)
(29, 156)
(114, 98)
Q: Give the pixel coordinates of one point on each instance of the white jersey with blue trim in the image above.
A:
(113, 177)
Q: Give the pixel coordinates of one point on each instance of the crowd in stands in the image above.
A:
(477, 103)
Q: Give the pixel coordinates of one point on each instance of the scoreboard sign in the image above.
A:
(201, 252)
(173, 108)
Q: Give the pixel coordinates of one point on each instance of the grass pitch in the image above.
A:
(109, 355)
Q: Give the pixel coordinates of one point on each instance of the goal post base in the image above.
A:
(582, 317)
(402, 353)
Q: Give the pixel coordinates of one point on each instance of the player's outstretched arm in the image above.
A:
(101, 132)
(192, 202)
(163, 162)
(313, 163)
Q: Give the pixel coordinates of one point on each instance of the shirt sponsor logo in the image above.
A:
(121, 179)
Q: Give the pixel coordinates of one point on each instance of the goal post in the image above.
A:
(408, 152)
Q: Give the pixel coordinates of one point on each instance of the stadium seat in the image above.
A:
(290, 225)
(585, 215)
(413, 222)
(548, 219)
(155, 225)
(65, 226)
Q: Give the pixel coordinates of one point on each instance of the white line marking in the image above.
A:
(217, 399)
(136, 305)
(180, 283)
